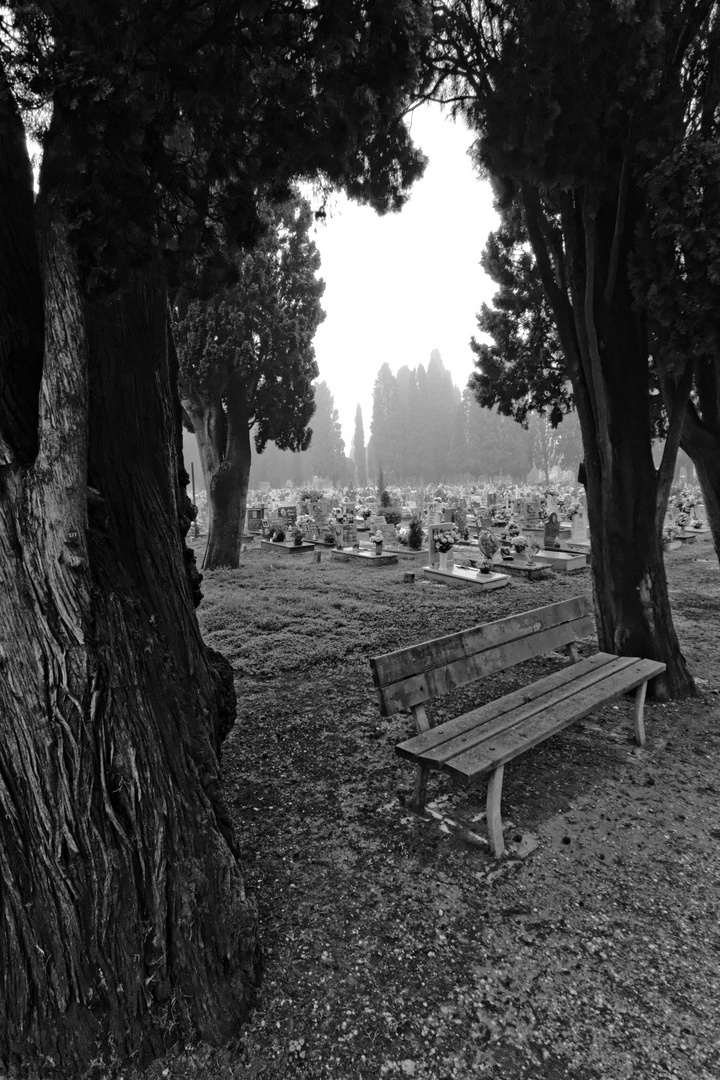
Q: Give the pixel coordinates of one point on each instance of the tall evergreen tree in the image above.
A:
(360, 456)
(327, 448)
(124, 921)
(247, 362)
(579, 146)
(383, 424)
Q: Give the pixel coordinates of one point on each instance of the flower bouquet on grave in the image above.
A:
(670, 533)
(277, 535)
(682, 520)
(519, 543)
(297, 536)
(444, 542)
(377, 539)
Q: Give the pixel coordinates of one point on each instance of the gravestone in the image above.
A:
(288, 515)
(389, 534)
(531, 513)
(349, 534)
(487, 543)
(579, 526)
(552, 532)
(255, 515)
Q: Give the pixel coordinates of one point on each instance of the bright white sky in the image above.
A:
(401, 285)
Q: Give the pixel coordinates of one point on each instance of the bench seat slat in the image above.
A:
(461, 734)
(402, 664)
(443, 679)
(485, 758)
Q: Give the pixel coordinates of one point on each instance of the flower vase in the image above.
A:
(378, 548)
(442, 556)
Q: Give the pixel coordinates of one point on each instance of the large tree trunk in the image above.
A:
(701, 443)
(606, 353)
(223, 438)
(124, 921)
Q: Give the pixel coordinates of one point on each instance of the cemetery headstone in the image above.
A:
(579, 526)
(532, 513)
(552, 532)
(255, 515)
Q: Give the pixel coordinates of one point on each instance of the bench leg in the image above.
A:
(420, 789)
(494, 820)
(639, 718)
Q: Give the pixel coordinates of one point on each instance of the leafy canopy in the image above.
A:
(250, 347)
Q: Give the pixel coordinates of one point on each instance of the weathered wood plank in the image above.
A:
(538, 698)
(441, 680)
(498, 709)
(485, 758)
(415, 659)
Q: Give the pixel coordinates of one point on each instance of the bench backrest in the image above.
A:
(411, 676)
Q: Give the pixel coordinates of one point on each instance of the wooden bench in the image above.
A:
(481, 742)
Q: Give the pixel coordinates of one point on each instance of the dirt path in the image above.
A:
(395, 945)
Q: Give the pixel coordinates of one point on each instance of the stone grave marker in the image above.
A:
(552, 532)
(389, 534)
(255, 515)
(532, 513)
(579, 530)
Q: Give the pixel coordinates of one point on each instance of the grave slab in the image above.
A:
(287, 548)
(518, 567)
(563, 561)
(365, 558)
(464, 578)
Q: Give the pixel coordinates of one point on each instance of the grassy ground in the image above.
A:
(394, 945)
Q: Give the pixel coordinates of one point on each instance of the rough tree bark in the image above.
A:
(701, 442)
(124, 923)
(605, 349)
(223, 438)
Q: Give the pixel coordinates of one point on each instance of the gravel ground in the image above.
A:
(394, 944)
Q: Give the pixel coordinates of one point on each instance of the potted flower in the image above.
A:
(377, 539)
(682, 520)
(297, 536)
